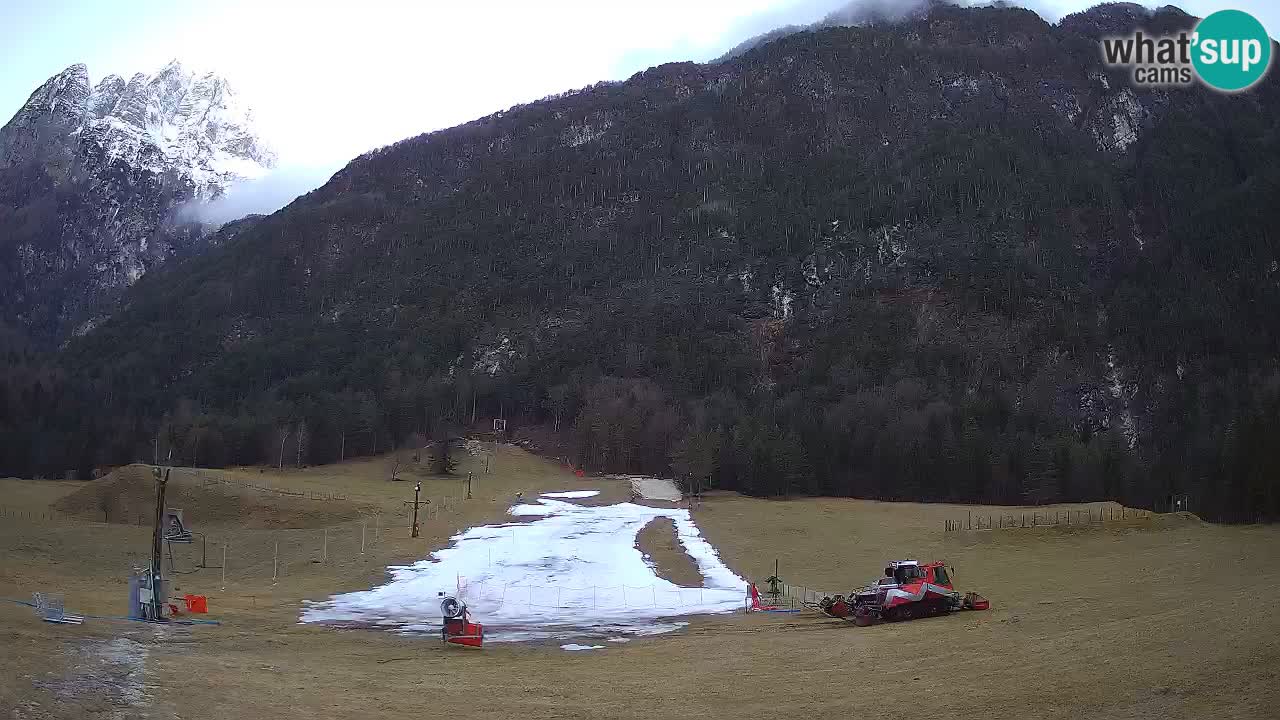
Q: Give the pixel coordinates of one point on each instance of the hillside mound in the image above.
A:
(127, 496)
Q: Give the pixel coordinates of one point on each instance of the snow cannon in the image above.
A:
(458, 628)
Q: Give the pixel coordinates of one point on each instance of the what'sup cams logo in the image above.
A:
(1228, 51)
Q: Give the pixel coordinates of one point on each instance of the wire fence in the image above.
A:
(791, 597)
(1099, 516)
(562, 597)
(225, 556)
(260, 556)
(33, 516)
(210, 479)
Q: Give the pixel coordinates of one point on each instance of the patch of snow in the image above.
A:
(574, 572)
(578, 135)
(569, 494)
(1071, 108)
(492, 359)
(1119, 391)
(1119, 122)
(85, 327)
(618, 640)
(782, 299)
(573, 647)
(967, 84)
(891, 245)
(529, 510)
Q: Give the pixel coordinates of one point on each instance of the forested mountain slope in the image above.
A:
(948, 259)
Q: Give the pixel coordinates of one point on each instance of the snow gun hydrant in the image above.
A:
(458, 628)
(907, 591)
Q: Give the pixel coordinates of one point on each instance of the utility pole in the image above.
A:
(157, 540)
(417, 488)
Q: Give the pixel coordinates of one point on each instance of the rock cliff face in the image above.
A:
(92, 177)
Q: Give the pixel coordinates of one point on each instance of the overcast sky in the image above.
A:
(329, 81)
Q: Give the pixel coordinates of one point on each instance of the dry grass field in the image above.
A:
(1164, 617)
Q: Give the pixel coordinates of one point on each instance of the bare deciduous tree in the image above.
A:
(284, 436)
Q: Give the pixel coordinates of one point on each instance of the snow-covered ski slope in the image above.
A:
(574, 572)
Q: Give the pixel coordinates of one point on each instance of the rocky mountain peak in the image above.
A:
(106, 95)
(56, 108)
(98, 171)
(172, 121)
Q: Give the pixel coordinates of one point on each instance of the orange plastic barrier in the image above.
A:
(196, 603)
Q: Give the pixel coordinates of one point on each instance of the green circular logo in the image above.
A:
(1231, 50)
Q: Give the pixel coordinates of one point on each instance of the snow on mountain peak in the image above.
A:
(174, 121)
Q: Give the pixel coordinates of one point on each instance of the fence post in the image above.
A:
(275, 564)
(224, 565)
(363, 525)
(324, 552)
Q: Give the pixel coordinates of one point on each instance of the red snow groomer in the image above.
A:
(458, 628)
(907, 591)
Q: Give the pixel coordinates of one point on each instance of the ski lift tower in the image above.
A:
(146, 588)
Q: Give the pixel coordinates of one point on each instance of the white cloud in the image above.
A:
(262, 195)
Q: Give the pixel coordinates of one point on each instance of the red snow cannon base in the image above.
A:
(460, 631)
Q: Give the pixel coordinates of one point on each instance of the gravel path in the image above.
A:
(656, 489)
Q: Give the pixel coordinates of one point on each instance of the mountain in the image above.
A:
(91, 178)
(857, 13)
(953, 258)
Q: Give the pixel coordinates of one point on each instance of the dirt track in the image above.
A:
(1160, 620)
